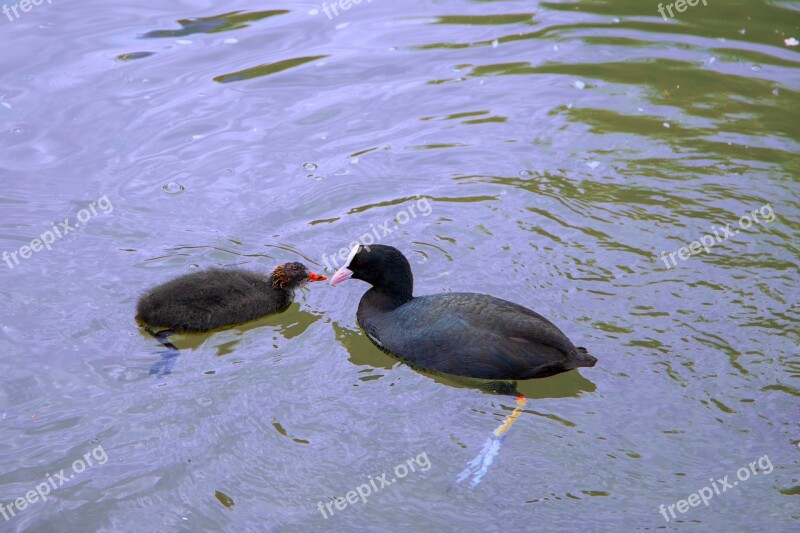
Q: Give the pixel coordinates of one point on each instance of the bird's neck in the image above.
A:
(380, 299)
(395, 288)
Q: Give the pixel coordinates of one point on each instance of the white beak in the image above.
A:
(343, 274)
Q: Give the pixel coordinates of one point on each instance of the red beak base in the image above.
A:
(312, 276)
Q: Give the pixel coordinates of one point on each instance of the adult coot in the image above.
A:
(466, 334)
(217, 297)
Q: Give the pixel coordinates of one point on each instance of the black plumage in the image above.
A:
(465, 334)
(209, 299)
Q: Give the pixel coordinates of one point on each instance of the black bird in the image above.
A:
(210, 299)
(465, 334)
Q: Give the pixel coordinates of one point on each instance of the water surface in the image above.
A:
(560, 148)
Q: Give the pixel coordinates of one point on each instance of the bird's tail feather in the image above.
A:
(582, 358)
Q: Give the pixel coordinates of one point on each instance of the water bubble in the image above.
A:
(173, 188)
(580, 85)
(231, 40)
(310, 166)
(17, 130)
(229, 171)
(495, 43)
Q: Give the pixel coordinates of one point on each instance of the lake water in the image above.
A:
(554, 154)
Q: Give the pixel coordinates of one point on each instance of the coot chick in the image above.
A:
(217, 297)
(465, 334)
